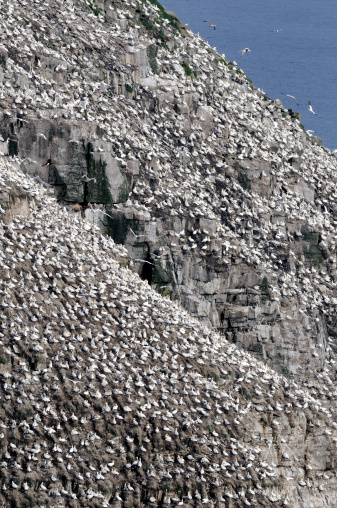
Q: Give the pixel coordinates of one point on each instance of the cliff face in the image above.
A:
(112, 395)
(198, 172)
(223, 202)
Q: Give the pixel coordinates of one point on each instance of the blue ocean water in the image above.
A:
(300, 59)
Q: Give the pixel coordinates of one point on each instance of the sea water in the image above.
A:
(300, 59)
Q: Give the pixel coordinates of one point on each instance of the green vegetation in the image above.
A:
(124, 192)
(265, 295)
(244, 180)
(285, 371)
(165, 15)
(221, 60)
(2, 60)
(152, 52)
(163, 277)
(296, 116)
(188, 71)
(118, 226)
(96, 191)
(96, 10)
(257, 348)
(129, 88)
(156, 24)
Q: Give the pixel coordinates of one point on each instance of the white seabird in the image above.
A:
(245, 50)
(291, 97)
(310, 109)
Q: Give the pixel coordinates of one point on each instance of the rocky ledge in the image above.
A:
(112, 395)
(225, 206)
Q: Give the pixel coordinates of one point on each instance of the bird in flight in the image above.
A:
(291, 97)
(277, 30)
(310, 109)
(209, 23)
(245, 50)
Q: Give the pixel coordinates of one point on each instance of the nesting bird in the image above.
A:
(103, 381)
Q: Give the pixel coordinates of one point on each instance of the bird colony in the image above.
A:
(112, 395)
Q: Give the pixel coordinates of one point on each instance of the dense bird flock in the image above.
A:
(112, 395)
(233, 127)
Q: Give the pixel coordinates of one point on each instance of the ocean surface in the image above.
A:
(300, 59)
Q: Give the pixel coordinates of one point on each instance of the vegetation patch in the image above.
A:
(165, 15)
(244, 180)
(156, 24)
(124, 192)
(257, 348)
(98, 190)
(188, 71)
(265, 295)
(152, 52)
(163, 278)
(95, 9)
(118, 226)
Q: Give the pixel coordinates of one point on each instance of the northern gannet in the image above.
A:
(291, 97)
(310, 109)
(245, 50)
(209, 23)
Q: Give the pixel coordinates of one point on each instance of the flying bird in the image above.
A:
(245, 50)
(310, 109)
(277, 30)
(291, 97)
(209, 23)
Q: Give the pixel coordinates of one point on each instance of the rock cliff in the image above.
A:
(112, 395)
(221, 199)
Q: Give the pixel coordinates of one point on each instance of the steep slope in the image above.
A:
(224, 203)
(173, 152)
(112, 395)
